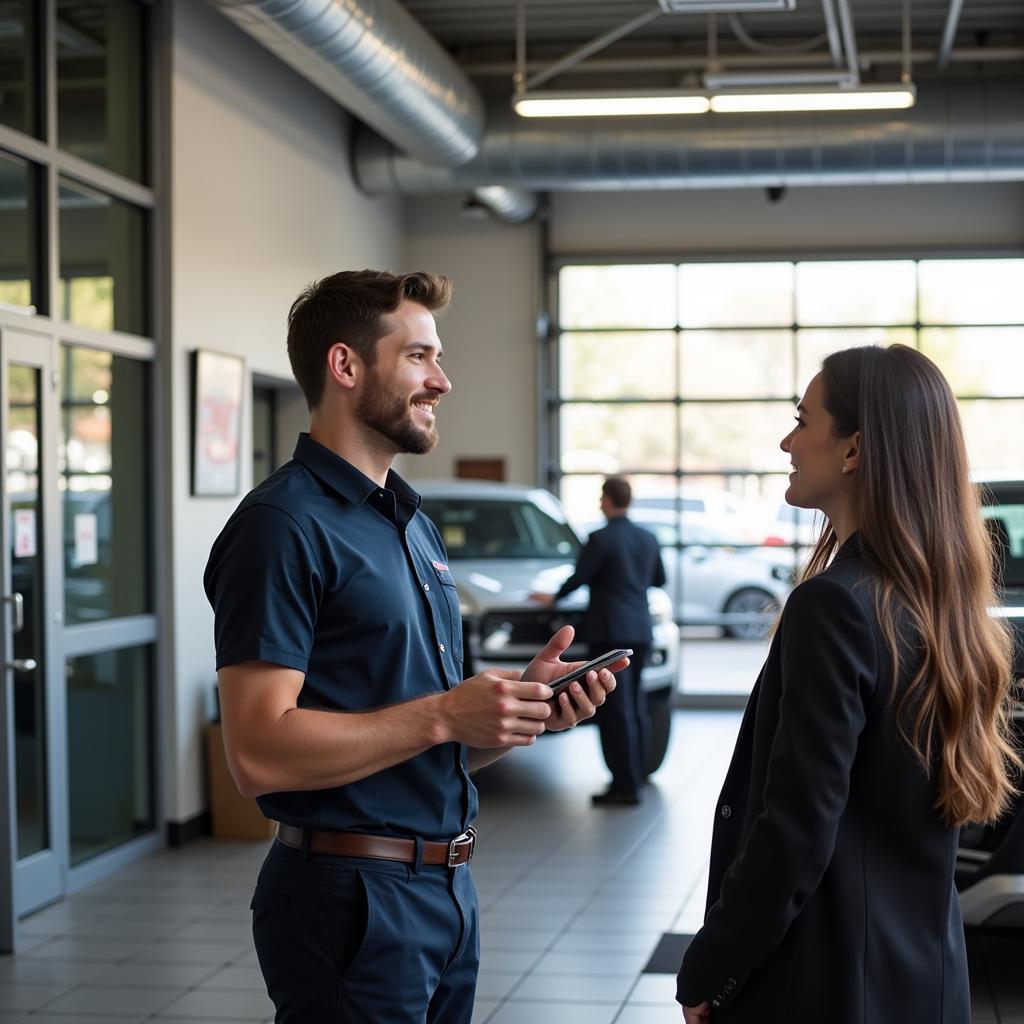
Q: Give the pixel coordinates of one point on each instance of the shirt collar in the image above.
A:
(850, 548)
(342, 476)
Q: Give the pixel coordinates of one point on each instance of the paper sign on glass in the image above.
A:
(86, 548)
(24, 533)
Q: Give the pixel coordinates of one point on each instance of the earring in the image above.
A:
(846, 469)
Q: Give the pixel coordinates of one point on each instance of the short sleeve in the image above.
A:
(265, 587)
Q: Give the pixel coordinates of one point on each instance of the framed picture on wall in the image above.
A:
(217, 388)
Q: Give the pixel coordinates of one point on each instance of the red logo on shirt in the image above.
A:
(440, 566)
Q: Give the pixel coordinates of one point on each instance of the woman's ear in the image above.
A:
(343, 365)
(851, 457)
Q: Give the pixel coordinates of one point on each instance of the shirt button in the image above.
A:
(726, 811)
(440, 647)
(426, 586)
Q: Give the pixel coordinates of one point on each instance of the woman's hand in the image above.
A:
(697, 1014)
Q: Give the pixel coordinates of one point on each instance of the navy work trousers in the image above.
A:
(625, 725)
(349, 940)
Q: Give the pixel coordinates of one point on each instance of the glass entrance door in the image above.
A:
(32, 871)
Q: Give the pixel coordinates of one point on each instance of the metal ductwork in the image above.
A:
(378, 62)
(512, 205)
(959, 131)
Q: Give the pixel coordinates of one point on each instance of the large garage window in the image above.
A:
(683, 377)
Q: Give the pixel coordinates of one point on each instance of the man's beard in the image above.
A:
(390, 415)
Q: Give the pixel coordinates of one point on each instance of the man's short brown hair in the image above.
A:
(617, 490)
(349, 307)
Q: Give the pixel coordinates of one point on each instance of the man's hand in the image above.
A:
(496, 709)
(697, 1014)
(548, 667)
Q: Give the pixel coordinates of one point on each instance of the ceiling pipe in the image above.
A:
(675, 64)
(958, 131)
(949, 32)
(378, 62)
(511, 205)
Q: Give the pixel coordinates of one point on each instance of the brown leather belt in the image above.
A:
(357, 844)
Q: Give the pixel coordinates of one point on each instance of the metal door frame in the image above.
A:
(42, 877)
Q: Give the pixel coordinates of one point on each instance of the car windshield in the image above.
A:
(1005, 522)
(477, 528)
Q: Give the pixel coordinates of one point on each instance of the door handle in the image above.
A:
(17, 603)
(21, 665)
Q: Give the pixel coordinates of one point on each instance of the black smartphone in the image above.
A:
(606, 659)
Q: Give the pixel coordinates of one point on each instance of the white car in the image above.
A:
(740, 589)
(506, 542)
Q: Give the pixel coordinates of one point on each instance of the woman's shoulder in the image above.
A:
(846, 588)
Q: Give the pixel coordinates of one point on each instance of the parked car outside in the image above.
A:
(739, 589)
(990, 859)
(505, 542)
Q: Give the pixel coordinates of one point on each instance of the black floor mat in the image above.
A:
(668, 954)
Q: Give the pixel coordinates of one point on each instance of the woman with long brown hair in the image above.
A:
(878, 726)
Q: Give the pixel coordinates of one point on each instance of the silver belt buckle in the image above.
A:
(453, 855)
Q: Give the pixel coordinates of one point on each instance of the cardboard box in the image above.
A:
(233, 816)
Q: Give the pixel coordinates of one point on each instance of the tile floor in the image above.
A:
(574, 900)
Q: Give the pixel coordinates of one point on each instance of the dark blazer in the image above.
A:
(619, 562)
(830, 896)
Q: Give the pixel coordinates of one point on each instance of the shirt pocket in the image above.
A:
(449, 596)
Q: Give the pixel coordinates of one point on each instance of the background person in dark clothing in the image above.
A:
(619, 562)
(339, 657)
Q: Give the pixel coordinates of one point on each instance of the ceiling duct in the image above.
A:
(377, 61)
(958, 131)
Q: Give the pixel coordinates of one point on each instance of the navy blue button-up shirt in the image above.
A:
(321, 570)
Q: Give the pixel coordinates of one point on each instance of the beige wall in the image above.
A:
(875, 218)
(261, 202)
(487, 333)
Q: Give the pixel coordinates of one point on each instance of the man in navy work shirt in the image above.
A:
(339, 658)
(619, 563)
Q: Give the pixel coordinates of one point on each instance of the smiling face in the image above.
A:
(823, 464)
(402, 388)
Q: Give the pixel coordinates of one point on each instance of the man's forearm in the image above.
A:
(306, 749)
(481, 757)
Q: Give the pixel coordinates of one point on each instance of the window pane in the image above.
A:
(736, 364)
(972, 291)
(611, 438)
(101, 94)
(736, 294)
(617, 365)
(856, 292)
(19, 48)
(735, 435)
(110, 757)
(812, 346)
(978, 360)
(619, 296)
(103, 265)
(993, 434)
(105, 473)
(19, 283)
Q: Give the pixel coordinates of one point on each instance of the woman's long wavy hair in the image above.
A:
(921, 530)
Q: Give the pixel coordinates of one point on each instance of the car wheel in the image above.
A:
(659, 711)
(750, 600)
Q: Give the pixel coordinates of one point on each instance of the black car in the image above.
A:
(990, 859)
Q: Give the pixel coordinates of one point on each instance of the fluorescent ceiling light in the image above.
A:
(724, 6)
(864, 98)
(596, 104)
